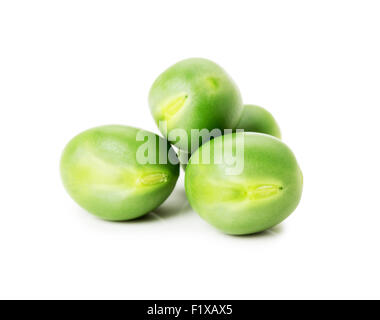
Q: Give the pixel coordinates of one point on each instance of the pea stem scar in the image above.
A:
(153, 179)
(174, 106)
(263, 191)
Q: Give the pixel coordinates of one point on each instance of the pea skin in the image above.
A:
(194, 94)
(265, 193)
(101, 172)
(258, 119)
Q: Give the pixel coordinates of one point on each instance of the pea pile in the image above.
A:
(101, 171)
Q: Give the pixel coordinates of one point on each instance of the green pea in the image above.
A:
(101, 172)
(258, 119)
(264, 193)
(194, 94)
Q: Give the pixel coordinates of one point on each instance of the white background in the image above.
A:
(66, 66)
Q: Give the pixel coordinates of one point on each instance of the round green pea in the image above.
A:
(194, 94)
(264, 193)
(258, 119)
(101, 172)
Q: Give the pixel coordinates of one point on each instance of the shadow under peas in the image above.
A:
(269, 233)
(177, 204)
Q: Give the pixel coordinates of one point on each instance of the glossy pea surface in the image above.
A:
(100, 171)
(265, 193)
(195, 94)
(258, 119)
